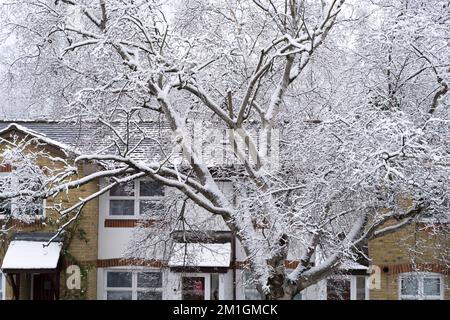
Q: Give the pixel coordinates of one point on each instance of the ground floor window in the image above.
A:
(420, 286)
(250, 291)
(347, 288)
(133, 285)
(2, 286)
(359, 288)
(338, 289)
(298, 296)
(193, 288)
(214, 292)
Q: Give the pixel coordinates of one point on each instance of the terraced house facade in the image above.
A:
(87, 261)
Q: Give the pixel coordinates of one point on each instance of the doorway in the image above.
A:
(44, 286)
(197, 287)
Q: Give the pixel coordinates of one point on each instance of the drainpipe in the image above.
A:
(233, 261)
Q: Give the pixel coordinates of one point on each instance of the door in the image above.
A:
(44, 286)
(196, 287)
(338, 289)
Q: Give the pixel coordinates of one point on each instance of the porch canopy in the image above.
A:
(208, 257)
(354, 268)
(31, 253)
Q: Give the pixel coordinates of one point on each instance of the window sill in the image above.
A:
(38, 221)
(126, 223)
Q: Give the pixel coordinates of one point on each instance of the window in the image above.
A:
(349, 287)
(19, 206)
(133, 285)
(5, 205)
(5, 208)
(36, 208)
(360, 288)
(143, 197)
(420, 286)
(298, 296)
(338, 289)
(193, 288)
(122, 199)
(250, 291)
(214, 291)
(2, 286)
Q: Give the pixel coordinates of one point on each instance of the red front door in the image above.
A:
(44, 286)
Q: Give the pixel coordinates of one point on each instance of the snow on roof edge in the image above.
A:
(31, 255)
(39, 136)
(201, 255)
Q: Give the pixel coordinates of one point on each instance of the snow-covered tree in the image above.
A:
(356, 93)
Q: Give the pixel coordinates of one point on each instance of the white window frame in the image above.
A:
(137, 201)
(420, 278)
(44, 203)
(353, 288)
(134, 288)
(3, 286)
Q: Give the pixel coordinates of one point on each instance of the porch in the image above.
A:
(32, 266)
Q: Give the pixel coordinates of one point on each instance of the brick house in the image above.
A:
(94, 246)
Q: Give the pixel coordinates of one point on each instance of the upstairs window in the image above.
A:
(136, 198)
(5, 205)
(122, 200)
(5, 208)
(35, 208)
(8, 207)
(25, 207)
(420, 286)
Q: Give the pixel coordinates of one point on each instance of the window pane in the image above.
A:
(36, 209)
(151, 189)
(298, 296)
(410, 286)
(338, 289)
(149, 295)
(150, 207)
(5, 184)
(149, 280)
(119, 279)
(5, 209)
(432, 286)
(123, 190)
(121, 207)
(250, 291)
(118, 295)
(360, 288)
(214, 287)
(252, 294)
(193, 288)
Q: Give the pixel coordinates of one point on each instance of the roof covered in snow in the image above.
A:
(352, 265)
(31, 255)
(148, 141)
(201, 255)
(149, 138)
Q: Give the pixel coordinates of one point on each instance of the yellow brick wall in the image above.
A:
(82, 247)
(414, 245)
